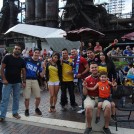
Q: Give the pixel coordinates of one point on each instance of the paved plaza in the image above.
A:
(60, 122)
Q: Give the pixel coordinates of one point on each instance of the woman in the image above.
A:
(53, 76)
(107, 65)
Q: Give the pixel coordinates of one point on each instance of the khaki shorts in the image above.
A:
(94, 102)
(32, 86)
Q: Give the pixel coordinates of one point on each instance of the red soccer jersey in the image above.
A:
(91, 82)
(82, 64)
(104, 89)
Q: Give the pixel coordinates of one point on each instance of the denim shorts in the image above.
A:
(103, 99)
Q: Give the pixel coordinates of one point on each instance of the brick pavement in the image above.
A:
(16, 128)
(44, 106)
(64, 115)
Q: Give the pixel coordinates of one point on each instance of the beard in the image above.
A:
(17, 53)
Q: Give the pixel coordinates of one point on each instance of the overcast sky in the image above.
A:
(128, 5)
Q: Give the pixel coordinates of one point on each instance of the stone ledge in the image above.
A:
(49, 123)
(65, 125)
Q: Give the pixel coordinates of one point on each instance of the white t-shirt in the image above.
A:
(25, 53)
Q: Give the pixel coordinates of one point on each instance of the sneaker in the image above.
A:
(63, 108)
(17, 116)
(81, 111)
(75, 104)
(66, 103)
(80, 106)
(97, 120)
(27, 112)
(37, 111)
(88, 130)
(73, 108)
(106, 130)
(2, 119)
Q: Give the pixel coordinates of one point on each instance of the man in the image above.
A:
(80, 69)
(11, 68)
(127, 51)
(92, 98)
(33, 67)
(67, 80)
(91, 57)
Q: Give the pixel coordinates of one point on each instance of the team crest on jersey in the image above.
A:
(102, 88)
(91, 82)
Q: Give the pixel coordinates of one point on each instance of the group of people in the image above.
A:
(43, 54)
(17, 72)
(60, 72)
(97, 48)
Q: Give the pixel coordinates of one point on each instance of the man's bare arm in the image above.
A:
(23, 75)
(85, 91)
(4, 80)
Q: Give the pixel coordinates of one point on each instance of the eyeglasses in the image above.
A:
(17, 48)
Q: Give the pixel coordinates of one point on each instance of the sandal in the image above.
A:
(50, 109)
(53, 108)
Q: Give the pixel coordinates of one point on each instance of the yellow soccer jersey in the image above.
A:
(66, 71)
(53, 74)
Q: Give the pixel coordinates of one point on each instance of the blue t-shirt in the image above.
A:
(127, 52)
(32, 68)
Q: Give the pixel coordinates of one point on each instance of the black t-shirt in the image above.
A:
(13, 68)
(96, 60)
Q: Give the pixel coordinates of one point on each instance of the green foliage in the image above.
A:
(120, 64)
(10, 49)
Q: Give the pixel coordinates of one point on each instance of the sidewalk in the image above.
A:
(67, 122)
(69, 127)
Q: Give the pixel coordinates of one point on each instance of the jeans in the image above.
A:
(1, 90)
(70, 87)
(6, 91)
(80, 86)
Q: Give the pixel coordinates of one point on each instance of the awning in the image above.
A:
(53, 36)
(37, 31)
